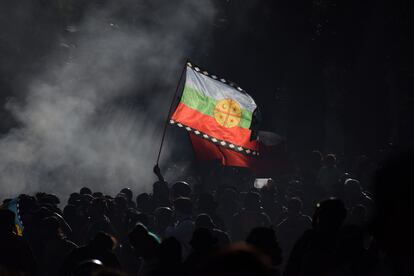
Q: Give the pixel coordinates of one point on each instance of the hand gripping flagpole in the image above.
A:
(168, 119)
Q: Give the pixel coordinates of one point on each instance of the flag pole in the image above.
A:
(169, 112)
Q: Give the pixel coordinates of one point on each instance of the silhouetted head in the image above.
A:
(163, 216)
(204, 221)
(144, 202)
(98, 207)
(128, 193)
(294, 206)
(228, 195)
(329, 215)
(42, 213)
(330, 160)
(121, 202)
(181, 189)
(352, 188)
(144, 242)
(202, 240)
(237, 259)
(74, 198)
(103, 242)
(49, 199)
(98, 195)
(85, 202)
(183, 206)
(6, 201)
(143, 218)
(264, 239)
(312, 160)
(206, 203)
(7, 218)
(160, 189)
(316, 158)
(27, 203)
(137, 233)
(252, 201)
(70, 212)
(85, 191)
(50, 227)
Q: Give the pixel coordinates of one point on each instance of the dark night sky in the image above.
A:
(329, 74)
(334, 75)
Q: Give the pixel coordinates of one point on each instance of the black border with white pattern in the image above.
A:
(216, 141)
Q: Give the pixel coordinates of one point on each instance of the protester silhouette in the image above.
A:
(16, 257)
(56, 247)
(329, 176)
(100, 248)
(313, 253)
(264, 240)
(293, 226)
(146, 246)
(236, 260)
(183, 227)
(229, 230)
(251, 216)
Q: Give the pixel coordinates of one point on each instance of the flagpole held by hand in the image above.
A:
(156, 167)
(157, 172)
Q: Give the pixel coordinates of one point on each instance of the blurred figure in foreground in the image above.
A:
(15, 255)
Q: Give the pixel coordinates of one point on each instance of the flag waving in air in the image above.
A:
(216, 110)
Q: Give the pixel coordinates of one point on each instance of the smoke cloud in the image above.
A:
(94, 117)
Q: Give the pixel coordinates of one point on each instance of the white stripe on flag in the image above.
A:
(218, 90)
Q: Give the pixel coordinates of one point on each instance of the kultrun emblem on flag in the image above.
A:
(227, 113)
(216, 110)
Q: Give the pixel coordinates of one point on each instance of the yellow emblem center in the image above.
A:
(227, 113)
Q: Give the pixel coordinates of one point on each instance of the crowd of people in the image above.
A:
(320, 218)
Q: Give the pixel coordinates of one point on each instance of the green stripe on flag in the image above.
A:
(193, 99)
(206, 105)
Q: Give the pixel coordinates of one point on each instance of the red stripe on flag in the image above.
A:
(207, 124)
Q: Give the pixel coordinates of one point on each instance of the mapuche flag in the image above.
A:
(13, 205)
(216, 110)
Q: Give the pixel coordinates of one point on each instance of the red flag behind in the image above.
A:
(272, 158)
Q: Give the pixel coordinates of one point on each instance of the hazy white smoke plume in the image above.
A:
(75, 127)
